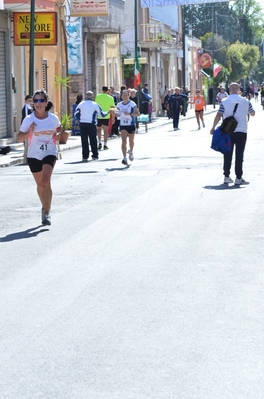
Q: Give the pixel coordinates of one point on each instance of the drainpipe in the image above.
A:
(85, 65)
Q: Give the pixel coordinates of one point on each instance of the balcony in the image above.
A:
(113, 23)
(154, 35)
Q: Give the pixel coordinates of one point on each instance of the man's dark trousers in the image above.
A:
(145, 108)
(88, 130)
(176, 117)
(239, 140)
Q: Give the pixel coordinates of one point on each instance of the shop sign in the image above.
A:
(89, 8)
(205, 60)
(45, 28)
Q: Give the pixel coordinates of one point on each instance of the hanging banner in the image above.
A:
(89, 8)
(74, 45)
(161, 3)
(45, 28)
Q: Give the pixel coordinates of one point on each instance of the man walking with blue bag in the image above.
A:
(239, 137)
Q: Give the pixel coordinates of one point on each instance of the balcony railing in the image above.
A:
(155, 33)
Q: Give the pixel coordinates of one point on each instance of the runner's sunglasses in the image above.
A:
(38, 100)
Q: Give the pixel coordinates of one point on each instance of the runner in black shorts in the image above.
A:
(41, 128)
(102, 122)
(35, 165)
(127, 111)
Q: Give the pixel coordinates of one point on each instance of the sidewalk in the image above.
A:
(17, 149)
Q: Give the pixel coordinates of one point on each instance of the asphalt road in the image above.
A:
(148, 284)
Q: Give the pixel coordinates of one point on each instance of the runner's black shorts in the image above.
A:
(102, 122)
(35, 165)
(130, 129)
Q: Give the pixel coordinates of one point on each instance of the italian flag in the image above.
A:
(137, 73)
(217, 69)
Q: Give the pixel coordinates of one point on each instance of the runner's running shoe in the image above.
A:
(46, 220)
(131, 156)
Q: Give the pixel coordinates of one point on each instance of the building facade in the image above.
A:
(49, 60)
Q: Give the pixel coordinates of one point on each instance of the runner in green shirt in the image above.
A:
(106, 102)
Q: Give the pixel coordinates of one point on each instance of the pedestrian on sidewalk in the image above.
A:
(175, 104)
(150, 111)
(199, 107)
(27, 109)
(166, 103)
(127, 111)
(87, 112)
(184, 96)
(239, 137)
(41, 129)
(145, 98)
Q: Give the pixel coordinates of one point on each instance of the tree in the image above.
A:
(202, 18)
(218, 46)
(241, 21)
(248, 25)
(242, 59)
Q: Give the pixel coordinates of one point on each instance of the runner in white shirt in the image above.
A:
(41, 129)
(127, 111)
(221, 95)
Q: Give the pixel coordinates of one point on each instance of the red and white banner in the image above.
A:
(161, 3)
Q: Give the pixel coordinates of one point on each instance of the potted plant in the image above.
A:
(66, 124)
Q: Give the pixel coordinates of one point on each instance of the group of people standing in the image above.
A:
(175, 103)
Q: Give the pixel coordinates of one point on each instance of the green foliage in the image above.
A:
(129, 70)
(248, 25)
(215, 44)
(66, 121)
(241, 60)
(241, 20)
(202, 19)
(240, 23)
(62, 82)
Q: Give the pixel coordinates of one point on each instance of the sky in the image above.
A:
(261, 3)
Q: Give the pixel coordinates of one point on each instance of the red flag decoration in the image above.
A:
(137, 73)
(217, 69)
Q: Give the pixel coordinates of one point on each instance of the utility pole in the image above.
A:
(136, 41)
(184, 48)
(213, 16)
(31, 48)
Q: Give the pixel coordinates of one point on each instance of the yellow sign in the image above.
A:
(89, 8)
(45, 28)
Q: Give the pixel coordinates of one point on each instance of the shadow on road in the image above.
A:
(29, 233)
(117, 169)
(75, 173)
(109, 159)
(223, 187)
